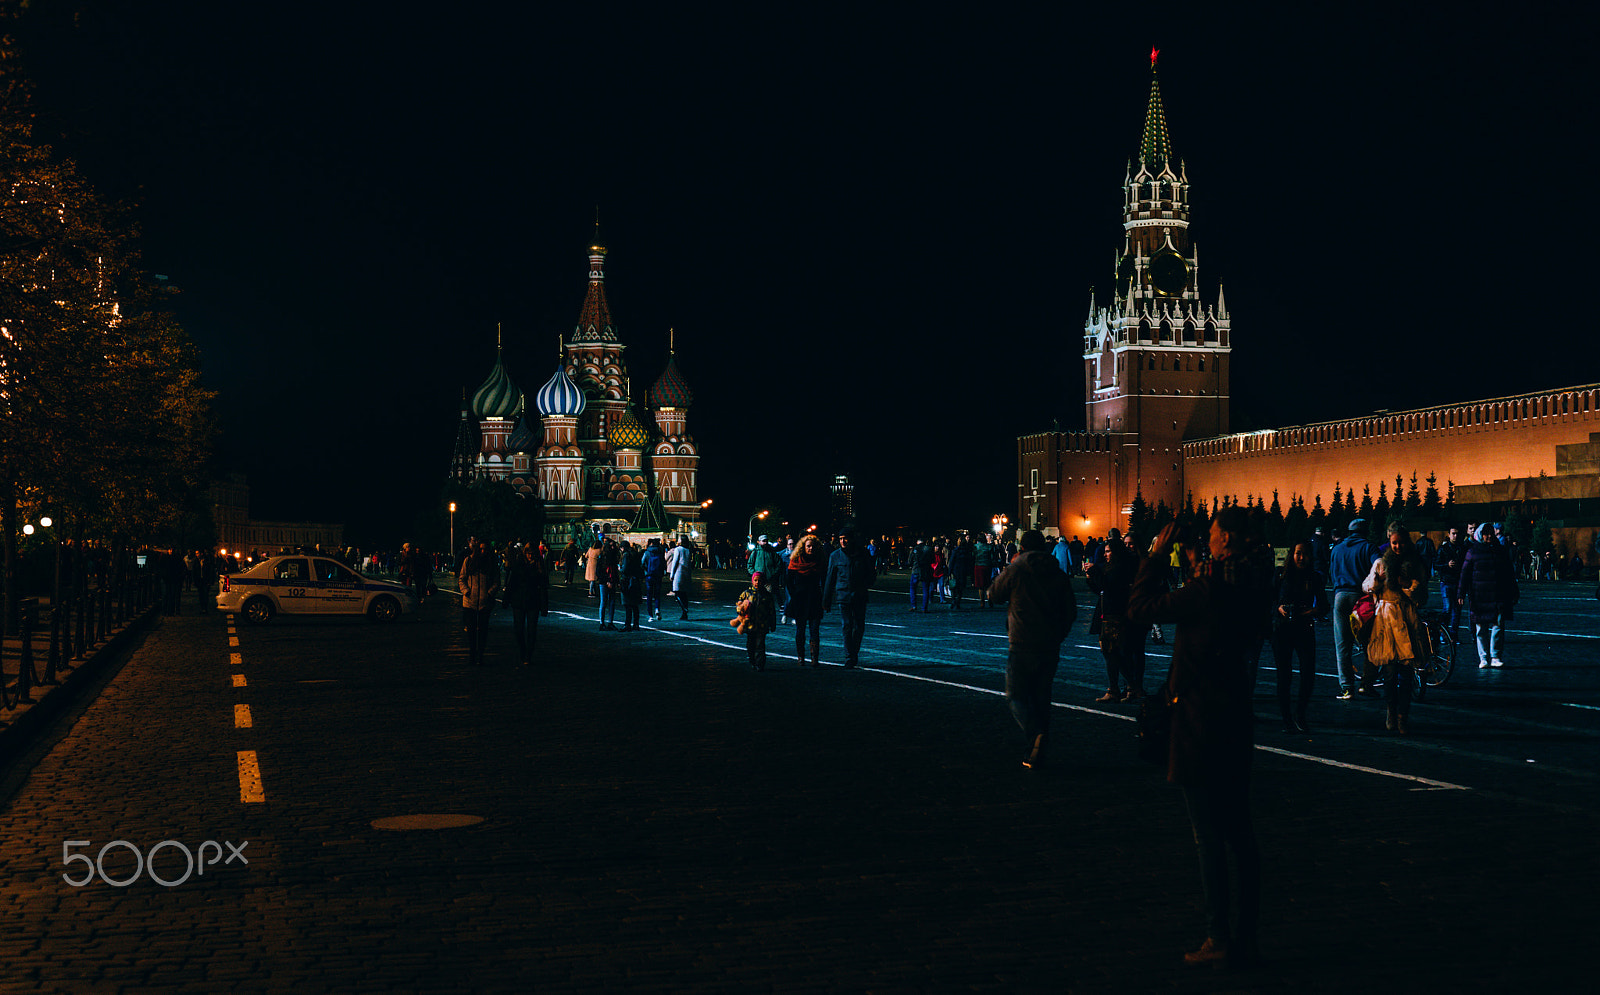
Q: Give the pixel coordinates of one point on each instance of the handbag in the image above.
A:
(1366, 608)
(1154, 723)
(1099, 612)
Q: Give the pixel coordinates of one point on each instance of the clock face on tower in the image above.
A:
(1169, 273)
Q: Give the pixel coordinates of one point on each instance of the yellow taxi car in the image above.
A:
(310, 585)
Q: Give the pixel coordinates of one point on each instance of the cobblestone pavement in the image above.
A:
(658, 817)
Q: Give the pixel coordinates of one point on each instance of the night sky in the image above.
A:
(875, 233)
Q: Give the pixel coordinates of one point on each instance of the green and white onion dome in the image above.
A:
(670, 390)
(627, 433)
(498, 397)
(559, 397)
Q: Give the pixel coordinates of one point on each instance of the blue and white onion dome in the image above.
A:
(559, 396)
(498, 397)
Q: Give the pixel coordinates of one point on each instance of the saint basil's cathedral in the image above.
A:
(585, 453)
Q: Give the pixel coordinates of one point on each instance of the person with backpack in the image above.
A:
(655, 567)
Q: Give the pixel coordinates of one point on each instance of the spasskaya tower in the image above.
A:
(1155, 361)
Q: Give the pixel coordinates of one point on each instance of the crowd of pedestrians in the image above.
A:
(1219, 591)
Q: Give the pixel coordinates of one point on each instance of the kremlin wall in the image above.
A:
(1471, 444)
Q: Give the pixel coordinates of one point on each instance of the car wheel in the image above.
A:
(258, 610)
(384, 609)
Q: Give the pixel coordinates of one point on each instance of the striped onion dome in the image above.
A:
(670, 390)
(498, 397)
(559, 396)
(626, 432)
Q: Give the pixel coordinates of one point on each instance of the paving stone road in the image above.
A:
(659, 818)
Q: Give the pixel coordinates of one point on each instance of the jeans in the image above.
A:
(1300, 638)
(853, 616)
(1488, 637)
(1029, 673)
(1219, 811)
(525, 626)
(913, 592)
(608, 605)
(652, 595)
(1344, 602)
(1448, 590)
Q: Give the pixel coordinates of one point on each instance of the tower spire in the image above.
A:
(1155, 147)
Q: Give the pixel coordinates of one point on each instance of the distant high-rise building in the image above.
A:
(842, 503)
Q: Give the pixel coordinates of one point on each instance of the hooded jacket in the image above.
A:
(1350, 562)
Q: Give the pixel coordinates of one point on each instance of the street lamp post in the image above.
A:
(452, 531)
(999, 522)
(751, 536)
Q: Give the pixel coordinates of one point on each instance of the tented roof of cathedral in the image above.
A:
(559, 396)
(670, 390)
(498, 397)
(652, 517)
(594, 321)
(1155, 147)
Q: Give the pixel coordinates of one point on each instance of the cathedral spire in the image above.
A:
(1155, 147)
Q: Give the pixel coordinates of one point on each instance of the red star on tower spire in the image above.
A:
(1153, 53)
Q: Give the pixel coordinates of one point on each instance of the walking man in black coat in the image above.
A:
(850, 577)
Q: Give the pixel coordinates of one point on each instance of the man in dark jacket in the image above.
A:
(850, 577)
(1452, 556)
(1039, 611)
(1348, 565)
(1217, 636)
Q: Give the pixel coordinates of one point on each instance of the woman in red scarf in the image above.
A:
(803, 580)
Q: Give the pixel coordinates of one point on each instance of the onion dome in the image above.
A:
(626, 432)
(522, 439)
(498, 397)
(670, 390)
(559, 397)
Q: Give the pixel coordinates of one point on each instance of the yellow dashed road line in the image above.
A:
(250, 789)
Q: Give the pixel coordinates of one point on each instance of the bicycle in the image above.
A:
(1434, 671)
(1442, 646)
